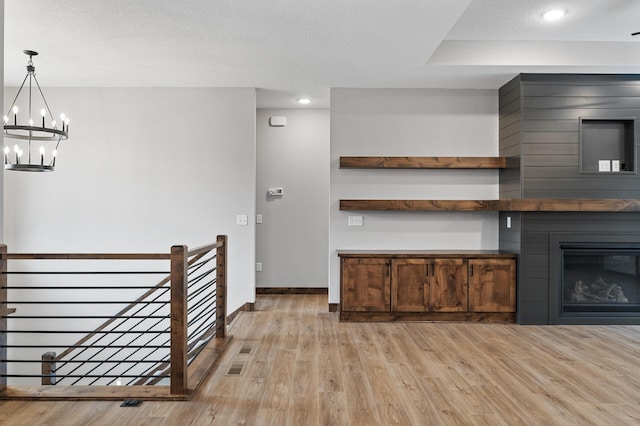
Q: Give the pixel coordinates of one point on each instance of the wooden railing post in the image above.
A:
(179, 320)
(49, 368)
(3, 321)
(221, 288)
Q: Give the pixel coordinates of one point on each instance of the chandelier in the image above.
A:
(35, 142)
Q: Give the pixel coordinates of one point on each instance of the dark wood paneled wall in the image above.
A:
(510, 144)
(539, 116)
(550, 135)
(533, 282)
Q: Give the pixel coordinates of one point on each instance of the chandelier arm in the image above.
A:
(17, 94)
(45, 101)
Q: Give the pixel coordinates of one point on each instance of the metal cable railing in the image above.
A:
(151, 339)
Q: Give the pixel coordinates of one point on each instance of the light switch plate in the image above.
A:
(242, 220)
(604, 165)
(615, 165)
(258, 218)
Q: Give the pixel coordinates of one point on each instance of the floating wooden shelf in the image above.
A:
(417, 205)
(422, 162)
(513, 205)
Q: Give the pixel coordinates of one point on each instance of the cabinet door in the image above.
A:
(366, 285)
(410, 285)
(448, 291)
(492, 285)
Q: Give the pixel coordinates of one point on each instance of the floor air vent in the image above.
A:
(246, 349)
(236, 368)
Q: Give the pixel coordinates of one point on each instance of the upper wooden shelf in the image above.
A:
(508, 205)
(422, 162)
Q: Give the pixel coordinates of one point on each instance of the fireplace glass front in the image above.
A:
(600, 281)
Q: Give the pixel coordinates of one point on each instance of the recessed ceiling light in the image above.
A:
(304, 101)
(553, 15)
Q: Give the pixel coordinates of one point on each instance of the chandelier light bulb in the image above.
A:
(30, 122)
(6, 119)
(54, 153)
(16, 148)
(43, 112)
(62, 117)
(6, 150)
(15, 109)
(19, 153)
(42, 150)
(66, 121)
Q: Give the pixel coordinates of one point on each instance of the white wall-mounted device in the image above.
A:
(275, 192)
(277, 121)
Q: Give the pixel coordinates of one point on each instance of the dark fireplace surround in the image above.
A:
(572, 136)
(594, 278)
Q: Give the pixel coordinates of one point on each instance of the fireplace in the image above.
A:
(595, 279)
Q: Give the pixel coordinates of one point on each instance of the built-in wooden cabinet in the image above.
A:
(366, 285)
(491, 285)
(425, 285)
(412, 284)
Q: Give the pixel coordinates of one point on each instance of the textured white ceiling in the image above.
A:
(293, 48)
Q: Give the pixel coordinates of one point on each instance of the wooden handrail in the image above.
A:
(86, 256)
(204, 249)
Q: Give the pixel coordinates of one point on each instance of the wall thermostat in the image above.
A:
(277, 121)
(275, 192)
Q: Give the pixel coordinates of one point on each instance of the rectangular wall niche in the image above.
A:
(607, 145)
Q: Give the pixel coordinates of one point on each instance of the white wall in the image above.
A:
(411, 122)
(144, 169)
(293, 240)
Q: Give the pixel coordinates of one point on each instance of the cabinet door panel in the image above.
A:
(449, 286)
(492, 285)
(366, 285)
(410, 285)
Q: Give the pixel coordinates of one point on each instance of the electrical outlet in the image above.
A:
(258, 218)
(508, 222)
(258, 266)
(242, 220)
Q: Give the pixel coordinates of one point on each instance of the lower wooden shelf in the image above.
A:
(507, 205)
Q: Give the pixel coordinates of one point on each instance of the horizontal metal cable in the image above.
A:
(88, 376)
(104, 287)
(87, 332)
(40, 361)
(85, 346)
(84, 317)
(83, 272)
(99, 302)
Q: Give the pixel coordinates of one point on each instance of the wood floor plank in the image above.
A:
(307, 368)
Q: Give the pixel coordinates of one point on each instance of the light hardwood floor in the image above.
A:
(306, 368)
